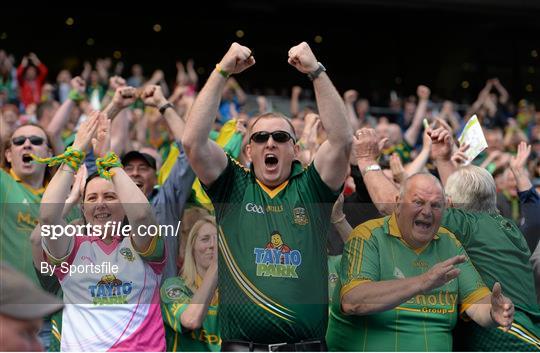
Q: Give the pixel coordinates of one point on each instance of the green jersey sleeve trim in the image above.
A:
(154, 252)
(472, 298)
(360, 261)
(352, 284)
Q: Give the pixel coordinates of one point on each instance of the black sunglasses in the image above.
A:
(34, 140)
(278, 136)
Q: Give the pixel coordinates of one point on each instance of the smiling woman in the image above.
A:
(189, 302)
(129, 282)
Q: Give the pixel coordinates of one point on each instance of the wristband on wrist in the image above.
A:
(75, 96)
(222, 72)
(104, 165)
(314, 74)
(371, 168)
(73, 158)
(165, 107)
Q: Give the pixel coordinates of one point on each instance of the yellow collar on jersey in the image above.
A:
(19, 180)
(394, 231)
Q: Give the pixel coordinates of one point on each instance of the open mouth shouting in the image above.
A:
(27, 158)
(422, 225)
(271, 162)
(139, 183)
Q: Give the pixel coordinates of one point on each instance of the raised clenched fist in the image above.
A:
(350, 96)
(302, 58)
(78, 84)
(115, 82)
(423, 92)
(125, 96)
(237, 59)
(153, 96)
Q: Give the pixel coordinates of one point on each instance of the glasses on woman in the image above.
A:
(34, 140)
(278, 136)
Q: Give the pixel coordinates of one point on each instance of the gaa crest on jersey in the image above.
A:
(277, 259)
(332, 277)
(173, 292)
(127, 254)
(300, 216)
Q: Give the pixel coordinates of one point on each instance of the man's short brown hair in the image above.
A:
(272, 115)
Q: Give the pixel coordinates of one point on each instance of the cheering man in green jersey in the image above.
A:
(273, 218)
(496, 246)
(404, 279)
(22, 184)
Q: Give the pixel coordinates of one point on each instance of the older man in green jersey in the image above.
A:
(404, 280)
(273, 218)
(495, 245)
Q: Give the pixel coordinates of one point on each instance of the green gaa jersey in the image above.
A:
(19, 212)
(272, 261)
(175, 298)
(499, 252)
(376, 251)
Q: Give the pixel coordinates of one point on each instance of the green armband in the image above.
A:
(104, 165)
(71, 157)
(76, 96)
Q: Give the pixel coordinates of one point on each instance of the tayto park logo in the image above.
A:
(277, 259)
(110, 290)
(252, 208)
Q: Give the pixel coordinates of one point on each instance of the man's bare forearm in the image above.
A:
(373, 297)
(381, 190)
(445, 169)
(332, 112)
(411, 135)
(203, 111)
(60, 118)
(418, 163)
(176, 123)
(120, 131)
(522, 180)
(112, 110)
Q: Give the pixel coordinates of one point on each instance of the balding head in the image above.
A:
(421, 204)
(423, 178)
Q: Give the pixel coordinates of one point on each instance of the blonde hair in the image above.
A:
(189, 270)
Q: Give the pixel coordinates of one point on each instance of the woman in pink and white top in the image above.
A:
(112, 293)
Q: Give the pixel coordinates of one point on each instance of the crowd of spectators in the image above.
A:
(45, 114)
